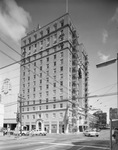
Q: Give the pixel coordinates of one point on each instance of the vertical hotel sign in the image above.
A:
(6, 87)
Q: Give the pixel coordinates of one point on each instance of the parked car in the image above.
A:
(38, 132)
(91, 132)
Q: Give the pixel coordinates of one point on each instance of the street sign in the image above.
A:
(113, 113)
(114, 124)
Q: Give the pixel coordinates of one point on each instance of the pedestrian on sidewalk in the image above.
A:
(115, 135)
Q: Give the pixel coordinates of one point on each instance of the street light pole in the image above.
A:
(117, 83)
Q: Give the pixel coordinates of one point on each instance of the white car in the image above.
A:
(91, 133)
(38, 132)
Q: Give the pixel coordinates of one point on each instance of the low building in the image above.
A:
(9, 88)
(1, 115)
(102, 116)
(93, 121)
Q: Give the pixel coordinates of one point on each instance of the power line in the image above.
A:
(18, 54)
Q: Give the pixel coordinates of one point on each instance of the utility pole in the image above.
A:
(20, 113)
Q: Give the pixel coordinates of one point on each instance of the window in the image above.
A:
(41, 33)
(40, 75)
(47, 52)
(41, 45)
(34, 89)
(35, 36)
(48, 41)
(33, 108)
(54, 106)
(47, 58)
(55, 63)
(46, 115)
(47, 93)
(55, 48)
(61, 97)
(54, 91)
(55, 56)
(40, 101)
(48, 73)
(41, 68)
(40, 81)
(54, 84)
(61, 90)
(54, 77)
(61, 61)
(39, 115)
(54, 70)
(47, 86)
(62, 23)
(40, 87)
(27, 116)
(55, 26)
(22, 109)
(47, 66)
(29, 40)
(34, 95)
(61, 68)
(46, 100)
(28, 90)
(61, 76)
(55, 38)
(39, 107)
(46, 106)
(41, 61)
(33, 116)
(27, 108)
(48, 30)
(61, 83)
(28, 103)
(61, 105)
(61, 54)
(40, 94)
(61, 115)
(24, 42)
(54, 115)
(47, 79)
(54, 98)
(34, 69)
(34, 63)
(34, 82)
(34, 76)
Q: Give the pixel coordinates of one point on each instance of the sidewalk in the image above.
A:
(12, 137)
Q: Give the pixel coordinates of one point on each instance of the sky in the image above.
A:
(96, 22)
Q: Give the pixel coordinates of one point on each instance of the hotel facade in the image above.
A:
(53, 78)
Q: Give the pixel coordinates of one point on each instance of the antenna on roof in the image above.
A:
(66, 6)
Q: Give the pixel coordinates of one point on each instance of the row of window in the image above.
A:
(40, 69)
(41, 54)
(42, 33)
(54, 115)
(40, 108)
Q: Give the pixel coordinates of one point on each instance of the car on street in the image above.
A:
(91, 132)
(38, 132)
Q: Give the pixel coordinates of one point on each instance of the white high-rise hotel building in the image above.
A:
(53, 77)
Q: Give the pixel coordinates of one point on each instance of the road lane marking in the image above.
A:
(67, 144)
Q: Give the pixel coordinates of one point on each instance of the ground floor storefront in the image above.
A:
(49, 126)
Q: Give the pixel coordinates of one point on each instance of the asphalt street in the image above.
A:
(56, 142)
